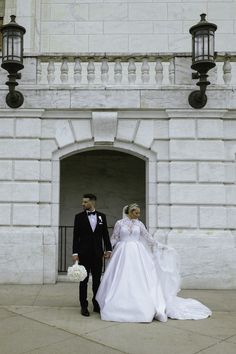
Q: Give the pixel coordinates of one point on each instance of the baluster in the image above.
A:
(145, 71)
(51, 71)
(159, 72)
(172, 71)
(64, 71)
(227, 70)
(91, 71)
(117, 71)
(104, 70)
(38, 71)
(77, 71)
(131, 71)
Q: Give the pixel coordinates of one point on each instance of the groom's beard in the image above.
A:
(88, 208)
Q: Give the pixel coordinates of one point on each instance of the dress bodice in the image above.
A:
(129, 230)
(126, 230)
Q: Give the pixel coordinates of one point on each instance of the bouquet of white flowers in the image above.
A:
(77, 272)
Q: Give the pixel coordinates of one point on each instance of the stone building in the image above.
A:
(106, 86)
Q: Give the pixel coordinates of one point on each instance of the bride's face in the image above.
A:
(134, 214)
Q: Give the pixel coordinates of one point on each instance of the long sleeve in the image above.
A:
(116, 234)
(152, 243)
(148, 238)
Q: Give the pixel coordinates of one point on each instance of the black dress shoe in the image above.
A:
(85, 312)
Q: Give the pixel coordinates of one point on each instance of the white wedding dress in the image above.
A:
(141, 281)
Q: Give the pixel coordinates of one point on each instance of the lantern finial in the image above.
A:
(13, 17)
(203, 17)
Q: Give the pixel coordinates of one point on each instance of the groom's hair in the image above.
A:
(90, 196)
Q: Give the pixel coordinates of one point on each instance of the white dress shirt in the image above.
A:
(93, 220)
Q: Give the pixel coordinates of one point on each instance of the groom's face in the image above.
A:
(88, 204)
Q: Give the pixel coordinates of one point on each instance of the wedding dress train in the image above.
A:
(141, 281)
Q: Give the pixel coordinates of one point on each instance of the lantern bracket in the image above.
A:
(14, 99)
(195, 76)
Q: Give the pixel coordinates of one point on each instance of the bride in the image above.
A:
(141, 281)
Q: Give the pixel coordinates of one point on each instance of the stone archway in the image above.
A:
(147, 157)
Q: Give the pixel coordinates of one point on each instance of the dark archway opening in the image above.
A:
(115, 177)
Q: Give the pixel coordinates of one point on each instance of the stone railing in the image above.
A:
(120, 70)
(131, 69)
(106, 69)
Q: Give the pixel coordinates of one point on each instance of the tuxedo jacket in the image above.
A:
(87, 242)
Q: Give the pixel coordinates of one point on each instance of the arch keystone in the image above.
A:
(104, 126)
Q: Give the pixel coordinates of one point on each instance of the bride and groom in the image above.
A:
(141, 280)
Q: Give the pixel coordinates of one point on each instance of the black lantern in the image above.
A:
(203, 58)
(12, 59)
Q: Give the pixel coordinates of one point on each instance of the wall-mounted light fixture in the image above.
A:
(12, 59)
(203, 58)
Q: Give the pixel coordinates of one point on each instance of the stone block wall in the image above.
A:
(28, 246)
(189, 154)
(190, 184)
(120, 25)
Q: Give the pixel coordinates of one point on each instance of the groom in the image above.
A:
(90, 232)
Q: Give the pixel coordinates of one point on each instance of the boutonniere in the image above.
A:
(100, 220)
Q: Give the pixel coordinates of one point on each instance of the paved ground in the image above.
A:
(37, 319)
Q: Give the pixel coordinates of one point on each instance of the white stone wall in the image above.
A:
(189, 154)
(190, 185)
(28, 247)
(120, 25)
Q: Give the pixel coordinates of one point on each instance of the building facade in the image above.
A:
(106, 86)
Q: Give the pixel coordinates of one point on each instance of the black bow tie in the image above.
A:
(91, 213)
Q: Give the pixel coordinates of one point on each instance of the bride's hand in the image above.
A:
(107, 254)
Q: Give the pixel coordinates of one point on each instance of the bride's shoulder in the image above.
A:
(120, 221)
(141, 224)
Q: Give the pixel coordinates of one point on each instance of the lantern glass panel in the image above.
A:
(202, 45)
(4, 46)
(205, 47)
(16, 46)
(12, 46)
(198, 48)
(211, 45)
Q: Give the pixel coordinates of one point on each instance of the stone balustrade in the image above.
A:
(120, 70)
(105, 70)
(128, 70)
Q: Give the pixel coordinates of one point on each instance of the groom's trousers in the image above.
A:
(93, 265)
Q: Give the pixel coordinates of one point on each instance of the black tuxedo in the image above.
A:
(89, 245)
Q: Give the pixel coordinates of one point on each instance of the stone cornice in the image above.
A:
(21, 113)
(190, 113)
(97, 56)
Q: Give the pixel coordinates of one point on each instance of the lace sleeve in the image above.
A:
(116, 234)
(148, 238)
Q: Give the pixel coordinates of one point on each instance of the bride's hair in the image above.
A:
(129, 208)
